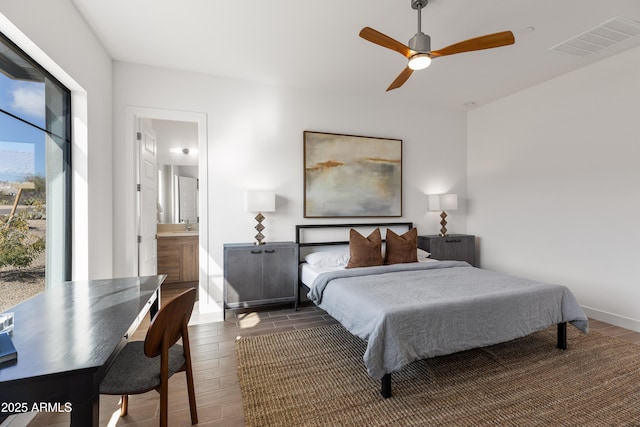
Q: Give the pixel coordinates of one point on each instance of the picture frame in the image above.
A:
(351, 176)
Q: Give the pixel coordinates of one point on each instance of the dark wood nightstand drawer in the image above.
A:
(457, 247)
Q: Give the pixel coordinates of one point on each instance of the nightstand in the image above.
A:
(257, 275)
(458, 247)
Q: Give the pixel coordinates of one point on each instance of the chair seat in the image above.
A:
(133, 372)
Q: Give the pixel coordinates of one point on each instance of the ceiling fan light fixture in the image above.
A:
(418, 50)
(419, 61)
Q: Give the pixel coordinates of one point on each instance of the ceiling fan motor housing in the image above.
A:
(418, 4)
(420, 43)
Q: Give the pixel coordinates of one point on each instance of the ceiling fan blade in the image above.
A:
(402, 77)
(489, 41)
(385, 41)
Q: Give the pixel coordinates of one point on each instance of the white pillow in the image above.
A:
(327, 259)
(423, 254)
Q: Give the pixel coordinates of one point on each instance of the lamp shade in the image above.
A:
(260, 201)
(443, 202)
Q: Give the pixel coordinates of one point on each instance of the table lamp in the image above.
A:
(443, 202)
(260, 201)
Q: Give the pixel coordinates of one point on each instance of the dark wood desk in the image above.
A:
(67, 337)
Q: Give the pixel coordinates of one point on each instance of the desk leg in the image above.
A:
(85, 398)
(155, 306)
(85, 414)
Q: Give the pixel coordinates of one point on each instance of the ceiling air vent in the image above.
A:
(605, 35)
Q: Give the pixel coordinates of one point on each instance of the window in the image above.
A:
(35, 177)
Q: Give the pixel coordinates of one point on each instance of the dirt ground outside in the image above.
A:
(19, 284)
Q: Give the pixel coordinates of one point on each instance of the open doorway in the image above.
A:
(177, 213)
(179, 139)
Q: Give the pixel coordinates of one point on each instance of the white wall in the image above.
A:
(554, 185)
(255, 141)
(552, 171)
(54, 34)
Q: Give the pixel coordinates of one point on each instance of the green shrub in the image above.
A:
(18, 248)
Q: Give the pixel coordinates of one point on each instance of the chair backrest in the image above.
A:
(170, 323)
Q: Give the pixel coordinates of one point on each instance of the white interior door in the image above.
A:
(188, 195)
(147, 200)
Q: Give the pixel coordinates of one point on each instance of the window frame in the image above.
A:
(66, 168)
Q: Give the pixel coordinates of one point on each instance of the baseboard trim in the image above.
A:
(613, 319)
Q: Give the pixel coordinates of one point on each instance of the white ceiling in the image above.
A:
(315, 44)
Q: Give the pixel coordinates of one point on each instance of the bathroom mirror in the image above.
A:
(177, 194)
(178, 166)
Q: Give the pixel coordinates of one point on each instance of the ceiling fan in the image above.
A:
(419, 51)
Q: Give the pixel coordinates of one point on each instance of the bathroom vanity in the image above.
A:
(178, 256)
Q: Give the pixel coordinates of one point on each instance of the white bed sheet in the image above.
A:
(308, 273)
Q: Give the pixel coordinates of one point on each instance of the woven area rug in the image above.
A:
(317, 377)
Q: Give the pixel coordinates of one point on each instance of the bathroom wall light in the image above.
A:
(185, 150)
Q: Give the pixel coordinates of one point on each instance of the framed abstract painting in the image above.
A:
(351, 176)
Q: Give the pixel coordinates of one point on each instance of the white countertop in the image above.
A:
(183, 233)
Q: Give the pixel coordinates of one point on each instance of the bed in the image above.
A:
(409, 311)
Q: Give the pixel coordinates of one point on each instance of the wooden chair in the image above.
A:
(142, 366)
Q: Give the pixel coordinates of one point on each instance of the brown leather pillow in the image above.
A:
(365, 251)
(403, 248)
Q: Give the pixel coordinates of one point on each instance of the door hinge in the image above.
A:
(138, 187)
(139, 239)
(139, 136)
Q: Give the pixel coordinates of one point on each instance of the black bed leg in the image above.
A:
(386, 386)
(562, 335)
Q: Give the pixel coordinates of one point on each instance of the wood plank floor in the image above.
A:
(218, 393)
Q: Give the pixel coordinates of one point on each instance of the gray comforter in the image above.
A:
(408, 312)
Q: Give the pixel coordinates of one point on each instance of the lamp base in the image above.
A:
(259, 237)
(443, 223)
